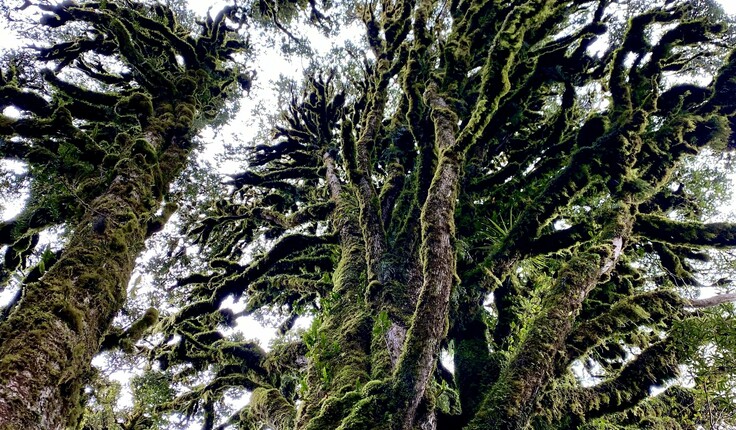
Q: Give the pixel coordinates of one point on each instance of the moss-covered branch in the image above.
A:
(429, 324)
(674, 232)
(653, 366)
(237, 279)
(623, 317)
(126, 339)
(270, 407)
(333, 374)
(507, 403)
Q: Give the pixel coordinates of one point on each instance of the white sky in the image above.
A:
(728, 5)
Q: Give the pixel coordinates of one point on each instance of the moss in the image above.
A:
(62, 117)
(137, 104)
(144, 148)
(349, 149)
(685, 232)
(136, 330)
(625, 316)
(339, 342)
(333, 410)
(71, 315)
(157, 223)
(372, 411)
(340, 355)
(90, 281)
(118, 242)
(91, 187)
(272, 408)
(714, 132)
(184, 116)
(110, 160)
(595, 127)
(123, 140)
(186, 85)
(6, 121)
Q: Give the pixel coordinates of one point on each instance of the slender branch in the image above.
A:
(709, 302)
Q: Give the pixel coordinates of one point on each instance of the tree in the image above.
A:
(102, 134)
(491, 187)
(483, 185)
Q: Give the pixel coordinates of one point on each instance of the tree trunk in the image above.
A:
(50, 338)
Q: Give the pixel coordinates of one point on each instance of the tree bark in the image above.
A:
(50, 338)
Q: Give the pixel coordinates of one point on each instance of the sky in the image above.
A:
(728, 5)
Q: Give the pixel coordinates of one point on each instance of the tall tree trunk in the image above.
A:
(50, 338)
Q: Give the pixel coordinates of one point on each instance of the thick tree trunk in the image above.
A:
(346, 324)
(50, 338)
(429, 324)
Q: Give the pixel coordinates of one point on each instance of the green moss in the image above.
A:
(70, 314)
(149, 318)
(137, 104)
(110, 160)
(349, 150)
(333, 410)
(371, 412)
(118, 242)
(123, 140)
(272, 408)
(90, 281)
(184, 115)
(6, 121)
(186, 85)
(144, 148)
(62, 117)
(91, 187)
(714, 132)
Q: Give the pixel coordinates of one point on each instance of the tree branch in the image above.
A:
(709, 302)
(655, 227)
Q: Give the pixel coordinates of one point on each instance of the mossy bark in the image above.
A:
(49, 339)
(339, 361)
(429, 324)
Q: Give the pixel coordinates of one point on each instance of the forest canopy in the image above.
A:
(479, 214)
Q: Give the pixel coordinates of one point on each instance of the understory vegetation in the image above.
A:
(480, 214)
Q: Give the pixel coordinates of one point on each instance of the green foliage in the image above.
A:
(150, 391)
(382, 324)
(101, 410)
